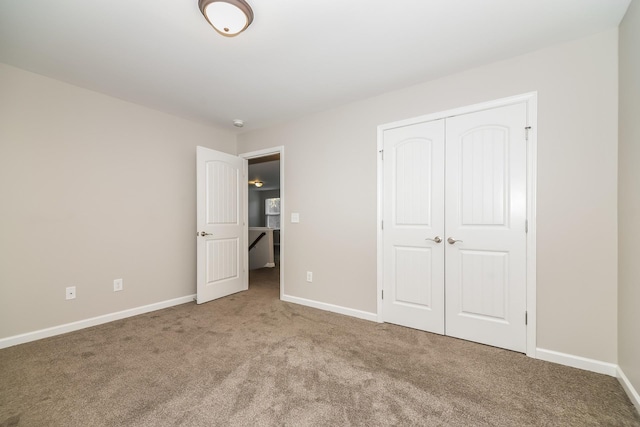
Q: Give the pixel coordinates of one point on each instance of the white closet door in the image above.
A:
(486, 214)
(413, 221)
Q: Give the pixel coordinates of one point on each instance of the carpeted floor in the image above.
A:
(252, 360)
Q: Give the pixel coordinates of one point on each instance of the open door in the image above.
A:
(221, 225)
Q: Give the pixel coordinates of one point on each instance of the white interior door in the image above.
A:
(485, 227)
(221, 231)
(413, 241)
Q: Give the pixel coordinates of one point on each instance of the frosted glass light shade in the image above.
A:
(228, 17)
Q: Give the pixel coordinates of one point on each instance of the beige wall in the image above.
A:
(330, 179)
(92, 189)
(629, 197)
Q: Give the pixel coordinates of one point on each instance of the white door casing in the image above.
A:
(414, 229)
(221, 218)
(486, 212)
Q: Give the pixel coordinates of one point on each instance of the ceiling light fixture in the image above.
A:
(228, 17)
(258, 183)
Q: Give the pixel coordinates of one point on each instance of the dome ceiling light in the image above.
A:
(228, 17)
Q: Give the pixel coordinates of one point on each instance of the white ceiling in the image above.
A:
(296, 58)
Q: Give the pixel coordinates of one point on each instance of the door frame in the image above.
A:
(263, 153)
(531, 100)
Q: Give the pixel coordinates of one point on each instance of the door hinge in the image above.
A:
(526, 318)
(383, 294)
(382, 224)
(381, 154)
(526, 133)
(526, 225)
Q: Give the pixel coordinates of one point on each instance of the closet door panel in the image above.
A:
(485, 222)
(414, 221)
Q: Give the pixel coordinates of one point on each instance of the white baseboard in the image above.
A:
(629, 389)
(332, 308)
(94, 321)
(579, 362)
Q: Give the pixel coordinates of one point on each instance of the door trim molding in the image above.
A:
(262, 153)
(531, 100)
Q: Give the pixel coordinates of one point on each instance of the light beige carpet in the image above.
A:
(252, 360)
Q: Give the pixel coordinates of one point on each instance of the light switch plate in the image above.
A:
(295, 217)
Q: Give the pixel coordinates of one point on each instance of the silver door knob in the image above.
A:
(436, 239)
(202, 233)
(451, 240)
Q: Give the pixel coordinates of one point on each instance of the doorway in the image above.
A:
(456, 243)
(265, 207)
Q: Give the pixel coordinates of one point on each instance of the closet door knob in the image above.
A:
(451, 240)
(436, 239)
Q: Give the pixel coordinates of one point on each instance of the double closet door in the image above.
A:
(454, 237)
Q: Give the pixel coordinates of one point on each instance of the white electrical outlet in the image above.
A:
(309, 276)
(71, 292)
(117, 285)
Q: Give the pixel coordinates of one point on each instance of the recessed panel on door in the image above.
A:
(222, 195)
(413, 182)
(413, 281)
(483, 285)
(222, 259)
(484, 168)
